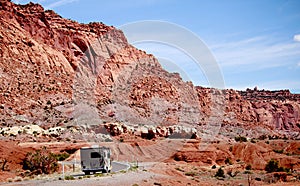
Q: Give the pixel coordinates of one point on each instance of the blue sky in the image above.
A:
(255, 43)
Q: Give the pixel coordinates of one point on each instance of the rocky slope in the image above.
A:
(57, 72)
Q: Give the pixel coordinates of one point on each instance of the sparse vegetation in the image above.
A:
(248, 167)
(133, 168)
(41, 161)
(191, 174)
(87, 176)
(267, 142)
(240, 139)
(69, 178)
(214, 167)
(280, 151)
(62, 156)
(220, 173)
(273, 166)
(98, 175)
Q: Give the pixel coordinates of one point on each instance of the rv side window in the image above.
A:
(95, 155)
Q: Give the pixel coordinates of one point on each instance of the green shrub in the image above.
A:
(220, 173)
(278, 151)
(248, 167)
(62, 156)
(214, 166)
(98, 175)
(69, 178)
(41, 161)
(273, 166)
(87, 176)
(267, 142)
(240, 139)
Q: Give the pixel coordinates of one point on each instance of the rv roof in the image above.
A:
(93, 147)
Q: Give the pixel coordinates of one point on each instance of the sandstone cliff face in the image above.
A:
(57, 72)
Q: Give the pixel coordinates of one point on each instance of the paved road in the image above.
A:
(117, 166)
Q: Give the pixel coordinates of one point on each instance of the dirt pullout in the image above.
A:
(241, 154)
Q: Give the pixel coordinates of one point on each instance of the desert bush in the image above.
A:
(98, 175)
(41, 161)
(248, 167)
(240, 139)
(220, 173)
(275, 177)
(214, 166)
(62, 156)
(69, 178)
(278, 151)
(267, 142)
(262, 137)
(273, 166)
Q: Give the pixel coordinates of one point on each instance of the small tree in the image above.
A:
(41, 161)
(272, 166)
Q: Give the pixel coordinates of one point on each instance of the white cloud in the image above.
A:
(257, 53)
(297, 37)
(59, 3)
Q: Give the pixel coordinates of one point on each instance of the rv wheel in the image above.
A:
(87, 173)
(105, 170)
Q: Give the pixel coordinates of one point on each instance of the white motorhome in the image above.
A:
(95, 159)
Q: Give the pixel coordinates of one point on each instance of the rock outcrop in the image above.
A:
(57, 72)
